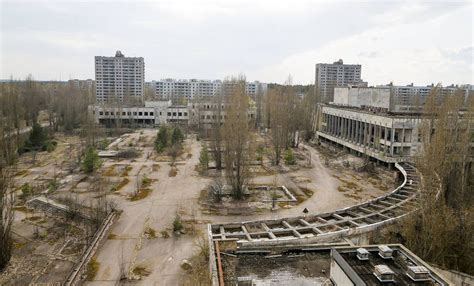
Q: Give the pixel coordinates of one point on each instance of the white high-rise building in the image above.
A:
(119, 79)
(180, 88)
(329, 76)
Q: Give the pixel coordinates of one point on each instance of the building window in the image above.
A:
(140, 113)
(134, 113)
(146, 113)
(180, 114)
(174, 113)
(185, 114)
(101, 113)
(106, 113)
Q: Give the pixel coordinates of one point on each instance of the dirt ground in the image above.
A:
(162, 256)
(45, 247)
(150, 191)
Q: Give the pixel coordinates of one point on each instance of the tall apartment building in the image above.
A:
(119, 79)
(175, 89)
(329, 76)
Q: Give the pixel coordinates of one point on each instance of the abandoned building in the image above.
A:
(202, 112)
(381, 122)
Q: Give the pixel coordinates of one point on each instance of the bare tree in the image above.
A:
(216, 143)
(442, 232)
(237, 138)
(7, 201)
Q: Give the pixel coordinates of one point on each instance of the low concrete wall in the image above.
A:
(76, 274)
(456, 277)
(212, 258)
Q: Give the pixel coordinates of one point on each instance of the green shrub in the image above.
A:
(91, 161)
(289, 157)
(204, 158)
(177, 223)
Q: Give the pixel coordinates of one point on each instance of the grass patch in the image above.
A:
(92, 269)
(141, 194)
(155, 167)
(19, 245)
(21, 209)
(150, 233)
(112, 236)
(282, 204)
(341, 189)
(120, 185)
(307, 192)
(141, 271)
(173, 172)
(110, 171)
(164, 234)
(21, 173)
(351, 185)
(146, 182)
(127, 169)
(300, 198)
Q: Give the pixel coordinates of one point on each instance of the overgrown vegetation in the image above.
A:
(442, 232)
(204, 158)
(177, 223)
(38, 140)
(7, 202)
(91, 160)
(289, 157)
(92, 269)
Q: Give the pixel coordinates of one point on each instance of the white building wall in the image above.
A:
(338, 276)
(362, 96)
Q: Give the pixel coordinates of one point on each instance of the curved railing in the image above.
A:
(344, 222)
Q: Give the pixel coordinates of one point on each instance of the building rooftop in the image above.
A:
(375, 269)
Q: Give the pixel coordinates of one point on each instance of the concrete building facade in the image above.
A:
(392, 98)
(200, 114)
(329, 76)
(119, 79)
(385, 137)
(189, 89)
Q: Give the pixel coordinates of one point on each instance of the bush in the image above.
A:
(289, 157)
(38, 140)
(260, 151)
(177, 136)
(161, 141)
(103, 144)
(26, 191)
(91, 161)
(204, 158)
(177, 224)
(50, 146)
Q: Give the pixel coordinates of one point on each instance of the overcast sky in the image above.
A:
(398, 41)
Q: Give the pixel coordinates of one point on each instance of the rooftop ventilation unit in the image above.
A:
(418, 273)
(384, 273)
(385, 252)
(362, 254)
